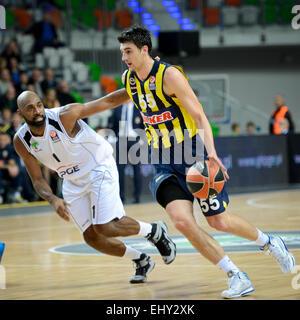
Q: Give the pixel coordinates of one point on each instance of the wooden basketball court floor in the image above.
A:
(34, 272)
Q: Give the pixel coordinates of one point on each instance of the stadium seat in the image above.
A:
(81, 73)
(95, 71)
(123, 18)
(108, 84)
(76, 66)
(56, 17)
(39, 61)
(252, 2)
(235, 3)
(76, 17)
(10, 18)
(92, 4)
(230, 16)
(249, 15)
(23, 18)
(96, 90)
(54, 61)
(103, 17)
(193, 4)
(215, 129)
(270, 14)
(51, 57)
(290, 2)
(113, 87)
(271, 2)
(213, 3)
(67, 57)
(48, 52)
(76, 4)
(63, 51)
(67, 75)
(88, 18)
(119, 81)
(60, 3)
(110, 5)
(25, 42)
(77, 97)
(285, 14)
(211, 16)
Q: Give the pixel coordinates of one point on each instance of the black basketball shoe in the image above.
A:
(144, 265)
(160, 238)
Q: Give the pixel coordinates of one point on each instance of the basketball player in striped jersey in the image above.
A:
(60, 140)
(170, 109)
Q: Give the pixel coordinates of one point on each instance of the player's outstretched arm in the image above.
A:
(109, 101)
(176, 85)
(84, 110)
(74, 111)
(39, 183)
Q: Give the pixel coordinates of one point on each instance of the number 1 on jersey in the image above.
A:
(55, 157)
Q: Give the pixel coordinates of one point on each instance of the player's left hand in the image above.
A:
(61, 207)
(214, 158)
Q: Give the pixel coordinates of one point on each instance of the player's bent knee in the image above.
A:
(107, 230)
(183, 225)
(218, 224)
(95, 240)
(89, 235)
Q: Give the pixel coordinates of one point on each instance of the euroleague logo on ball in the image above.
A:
(205, 180)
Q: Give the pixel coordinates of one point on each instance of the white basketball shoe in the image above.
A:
(239, 285)
(277, 249)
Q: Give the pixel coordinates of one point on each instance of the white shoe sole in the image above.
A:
(293, 262)
(243, 293)
(291, 258)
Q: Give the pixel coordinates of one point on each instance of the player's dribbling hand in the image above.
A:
(214, 158)
(60, 206)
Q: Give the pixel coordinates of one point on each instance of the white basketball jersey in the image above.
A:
(71, 158)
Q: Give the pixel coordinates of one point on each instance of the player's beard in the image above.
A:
(36, 124)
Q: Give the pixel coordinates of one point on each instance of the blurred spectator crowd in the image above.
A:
(17, 73)
(15, 184)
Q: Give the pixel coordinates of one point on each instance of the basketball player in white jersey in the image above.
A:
(66, 144)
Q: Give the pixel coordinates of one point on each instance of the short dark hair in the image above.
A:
(234, 126)
(140, 36)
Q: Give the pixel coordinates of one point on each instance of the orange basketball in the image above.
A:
(205, 180)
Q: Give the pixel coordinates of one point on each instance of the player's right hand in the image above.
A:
(214, 158)
(60, 206)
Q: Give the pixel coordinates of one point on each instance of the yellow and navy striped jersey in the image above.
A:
(165, 118)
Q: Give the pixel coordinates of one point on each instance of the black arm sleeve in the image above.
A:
(288, 116)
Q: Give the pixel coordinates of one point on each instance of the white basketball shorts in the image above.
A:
(95, 198)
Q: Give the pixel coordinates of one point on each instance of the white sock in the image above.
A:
(145, 228)
(262, 238)
(227, 265)
(131, 253)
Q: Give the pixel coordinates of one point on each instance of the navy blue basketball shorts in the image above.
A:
(169, 183)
